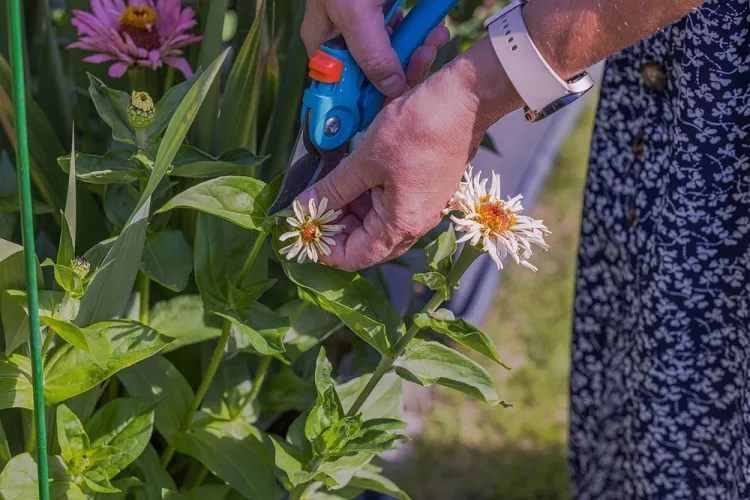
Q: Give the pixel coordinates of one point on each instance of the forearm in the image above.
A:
(572, 35)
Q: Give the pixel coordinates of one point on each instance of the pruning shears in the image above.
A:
(340, 102)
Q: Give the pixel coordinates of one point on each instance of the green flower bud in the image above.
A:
(81, 267)
(141, 112)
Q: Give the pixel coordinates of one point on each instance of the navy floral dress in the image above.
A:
(660, 385)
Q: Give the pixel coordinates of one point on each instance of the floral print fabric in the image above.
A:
(660, 385)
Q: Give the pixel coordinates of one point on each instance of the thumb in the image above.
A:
(367, 39)
(341, 187)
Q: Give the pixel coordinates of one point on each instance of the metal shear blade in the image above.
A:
(307, 166)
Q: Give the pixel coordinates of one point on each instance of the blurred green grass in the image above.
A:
(469, 451)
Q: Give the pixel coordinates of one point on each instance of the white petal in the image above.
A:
(297, 206)
(311, 206)
(289, 235)
(323, 205)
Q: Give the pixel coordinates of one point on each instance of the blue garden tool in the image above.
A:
(340, 102)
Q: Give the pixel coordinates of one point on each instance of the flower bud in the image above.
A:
(141, 112)
(81, 267)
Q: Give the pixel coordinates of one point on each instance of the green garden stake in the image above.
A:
(24, 187)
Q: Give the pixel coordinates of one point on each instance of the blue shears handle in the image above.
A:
(340, 101)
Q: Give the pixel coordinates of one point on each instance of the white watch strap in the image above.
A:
(535, 81)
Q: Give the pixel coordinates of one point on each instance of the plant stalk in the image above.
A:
(217, 355)
(199, 478)
(260, 376)
(468, 255)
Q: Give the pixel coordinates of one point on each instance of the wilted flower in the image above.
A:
(81, 267)
(311, 232)
(143, 34)
(141, 111)
(497, 224)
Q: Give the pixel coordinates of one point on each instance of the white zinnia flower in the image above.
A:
(497, 224)
(311, 231)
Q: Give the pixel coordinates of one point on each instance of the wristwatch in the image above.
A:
(542, 90)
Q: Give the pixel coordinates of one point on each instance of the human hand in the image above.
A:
(394, 186)
(362, 24)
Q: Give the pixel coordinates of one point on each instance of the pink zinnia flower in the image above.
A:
(143, 34)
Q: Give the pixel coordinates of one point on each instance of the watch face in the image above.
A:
(535, 116)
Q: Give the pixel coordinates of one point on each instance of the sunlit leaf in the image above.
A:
(115, 167)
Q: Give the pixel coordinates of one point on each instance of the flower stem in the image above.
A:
(169, 79)
(134, 76)
(218, 354)
(468, 255)
(144, 288)
(260, 376)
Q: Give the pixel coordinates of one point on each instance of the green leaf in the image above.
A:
(90, 340)
(72, 438)
(15, 317)
(461, 331)
(157, 378)
(237, 127)
(263, 328)
(323, 371)
(183, 319)
(289, 460)
(340, 472)
(12, 267)
(323, 415)
(225, 448)
(229, 391)
(5, 454)
(243, 201)
(96, 480)
(155, 477)
(375, 482)
(70, 214)
(167, 107)
(432, 280)
(66, 250)
(126, 425)
(193, 163)
(18, 480)
(119, 201)
(286, 391)
(353, 299)
(309, 327)
(15, 382)
(168, 259)
(179, 126)
(71, 371)
(385, 401)
(112, 106)
(10, 205)
(426, 363)
(440, 252)
(115, 167)
(110, 290)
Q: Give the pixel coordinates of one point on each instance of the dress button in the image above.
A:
(654, 76)
(639, 142)
(631, 217)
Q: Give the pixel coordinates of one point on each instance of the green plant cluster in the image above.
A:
(183, 357)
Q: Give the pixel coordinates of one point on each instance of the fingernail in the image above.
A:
(392, 86)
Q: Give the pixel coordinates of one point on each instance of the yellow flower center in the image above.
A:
(310, 231)
(138, 21)
(495, 215)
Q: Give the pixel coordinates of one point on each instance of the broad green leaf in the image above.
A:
(15, 317)
(385, 401)
(179, 126)
(169, 104)
(353, 299)
(225, 448)
(156, 378)
(323, 371)
(205, 124)
(323, 415)
(263, 328)
(119, 201)
(96, 480)
(195, 164)
(440, 252)
(124, 424)
(90, 339)
(426, 363)
(84, 404)
(110, 290)
(335, 438)
(240, 200)
(18, 480)
(242, 298)
(340, 472)
(70, 215)
(115, 167)
(221, 250)
(124, 485)
(183, 319)
(286, 391)
(12, 267)
(375, 482)
(372, 441)
(229, 390)
(289, 460)
(462, 332)
(309, 327)
(112, 106)
(15, 382)
(155, 477)
(168, 259)
(66, 250)
(5, 454)
(72, 438)
(432, 280)
(71, 371)
(237, 127)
